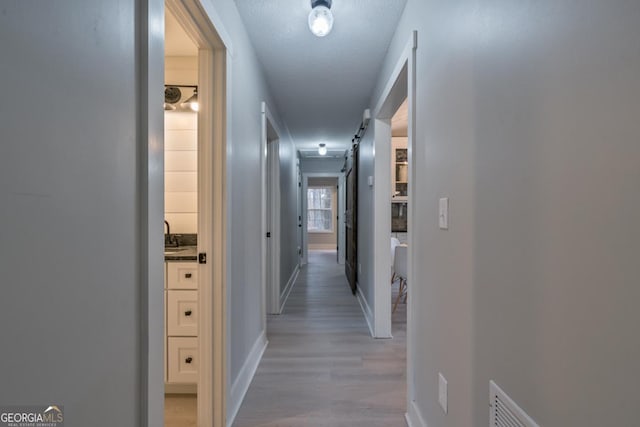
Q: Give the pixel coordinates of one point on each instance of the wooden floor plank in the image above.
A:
(180, 410)
(322, 368)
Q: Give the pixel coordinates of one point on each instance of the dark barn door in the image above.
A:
(351, 222)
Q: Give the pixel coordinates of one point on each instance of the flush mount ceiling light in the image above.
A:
(320, 18)
(322, 149)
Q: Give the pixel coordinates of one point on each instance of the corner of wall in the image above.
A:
(247, 372)
(366, 309)
(414, 416)
(288, 287)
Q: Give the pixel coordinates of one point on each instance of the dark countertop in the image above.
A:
(182, 253)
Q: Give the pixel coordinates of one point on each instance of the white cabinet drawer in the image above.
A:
(182, 313)
(183, 359)
(182, 275)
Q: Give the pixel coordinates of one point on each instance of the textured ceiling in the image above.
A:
(321, 86)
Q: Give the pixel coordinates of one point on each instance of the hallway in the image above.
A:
(322, 368)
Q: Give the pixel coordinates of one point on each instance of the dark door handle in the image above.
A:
(187, 275)
(187, 313)
(188, 359)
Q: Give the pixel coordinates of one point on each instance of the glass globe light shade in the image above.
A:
(320, 21)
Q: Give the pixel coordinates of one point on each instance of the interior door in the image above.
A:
(338, 207)
(351, 222)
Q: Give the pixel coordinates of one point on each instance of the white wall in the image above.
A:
(181, 150)
(181, 70)
(181, 171)
(248, 90)
(527, 119)
(366, 228)
(329, 165)
(70, 234)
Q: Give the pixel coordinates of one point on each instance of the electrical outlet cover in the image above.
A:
(442, 392)
(443, 214)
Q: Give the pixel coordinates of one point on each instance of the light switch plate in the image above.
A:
(443, 215)
(370, 180)
(442, 392)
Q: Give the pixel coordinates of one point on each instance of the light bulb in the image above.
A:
(322, 150)
(192, 102)
(320, 21)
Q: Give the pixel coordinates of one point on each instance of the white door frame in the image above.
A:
(400, 85)
(270, 153)
(204, 26)
(341, 210)
(299, 223)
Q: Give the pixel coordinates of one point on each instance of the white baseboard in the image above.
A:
(366, 309)
(414, 417)
(287, 289)
(241, 384)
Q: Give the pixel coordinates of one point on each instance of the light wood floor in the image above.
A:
(322, 368)
(180, 410)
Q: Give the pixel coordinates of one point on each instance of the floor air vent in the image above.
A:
(505, 412)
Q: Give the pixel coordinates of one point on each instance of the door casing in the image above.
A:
(400, 85)
(340, 220)
(270, 246)
(204, 25)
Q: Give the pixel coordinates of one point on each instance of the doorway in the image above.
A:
(270, 214)
(399, 89)
(399, 212)
(323, 214)
(182, 283)
(208, 273)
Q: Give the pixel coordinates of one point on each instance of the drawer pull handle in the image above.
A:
(188, 359)
(187, 313)
(187, 275)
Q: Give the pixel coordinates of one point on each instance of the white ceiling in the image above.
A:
(177, 42)
(321, 86)
(312, 153)
(400, 120)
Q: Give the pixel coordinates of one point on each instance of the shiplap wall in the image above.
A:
(180, 153)
(181, 171)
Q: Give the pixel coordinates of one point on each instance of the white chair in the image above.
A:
(394, 242)
(400, 271)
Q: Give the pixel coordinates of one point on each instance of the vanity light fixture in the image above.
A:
(320, 18)
(174, 93)
(322, 149)
(192, 102)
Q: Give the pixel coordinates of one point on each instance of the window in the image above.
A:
(320, 210)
